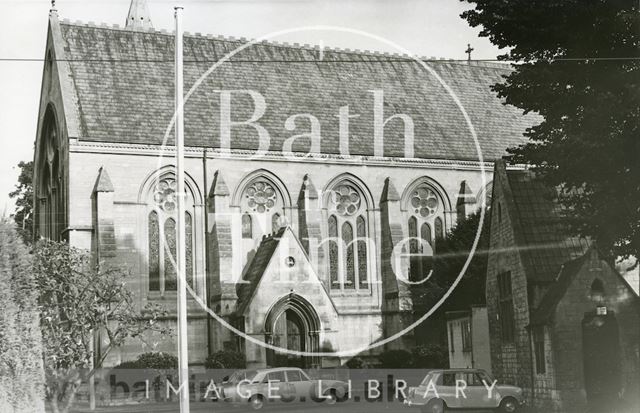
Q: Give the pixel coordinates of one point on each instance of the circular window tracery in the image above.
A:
(346, 200)
(165, 194)
(261, 196)
(424, 202)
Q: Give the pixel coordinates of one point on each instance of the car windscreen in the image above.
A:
(241, 375)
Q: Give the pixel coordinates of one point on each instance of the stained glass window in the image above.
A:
(247, 227)
(275, 222)
(154, 252)
(170, 280)
(439, 229)
(426, 261)
(415, 263)
(188, 229)
(333, 252)
(347, 239)
(362, 253)
(425, 232)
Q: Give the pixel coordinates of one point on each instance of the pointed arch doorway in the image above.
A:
(292, 324)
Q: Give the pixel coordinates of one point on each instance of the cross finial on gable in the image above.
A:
(139, 17)
(468, 52)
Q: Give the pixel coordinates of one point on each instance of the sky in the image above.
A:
(424, 27)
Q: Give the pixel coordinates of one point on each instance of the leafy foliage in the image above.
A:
(155, 361)
(77, 300)
(395, 359)
(226, 359)
(21, 370)
(430, 356)
(426, 356)
(355, 363)
(23, 195)
(578, 69)
(450, 256)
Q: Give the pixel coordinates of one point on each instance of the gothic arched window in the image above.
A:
(425, 226)
(262, 204)
(162, 237)
(347, 230)
(50, 184)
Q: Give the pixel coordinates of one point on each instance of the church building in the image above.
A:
(306, 172)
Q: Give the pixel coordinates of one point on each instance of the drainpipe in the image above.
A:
(206, 247)
(531, 367)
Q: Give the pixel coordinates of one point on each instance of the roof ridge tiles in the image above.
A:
(305, 46)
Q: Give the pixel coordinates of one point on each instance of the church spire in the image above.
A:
(139, 17)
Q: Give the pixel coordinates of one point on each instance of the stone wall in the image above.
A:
(510, 361)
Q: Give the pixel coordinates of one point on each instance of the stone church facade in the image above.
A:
(266, 225)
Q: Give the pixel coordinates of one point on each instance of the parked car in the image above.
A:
(283, 385)
(447, 389)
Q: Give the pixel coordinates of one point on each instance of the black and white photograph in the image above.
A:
(360, 206)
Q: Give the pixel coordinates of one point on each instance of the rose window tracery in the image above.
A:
(165, 195)
(424, 202)
(346, 200)
(261, 197)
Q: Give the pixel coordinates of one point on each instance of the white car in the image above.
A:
(281, 385)
(463, 389)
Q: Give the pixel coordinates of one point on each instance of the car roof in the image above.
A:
(462, 370)
(274, 369)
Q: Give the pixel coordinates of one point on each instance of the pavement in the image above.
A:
(201, 407)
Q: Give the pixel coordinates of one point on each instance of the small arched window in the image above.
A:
(333, 251)
(247, 227)
(363, 275)
(439, 228)
(597, 292)
(275, 222)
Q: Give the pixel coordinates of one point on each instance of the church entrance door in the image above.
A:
(289, 333)
(292, 324)
(601, 353)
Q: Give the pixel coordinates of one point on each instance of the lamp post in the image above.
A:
(183, 353)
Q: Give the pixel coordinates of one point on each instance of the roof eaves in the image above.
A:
(70, 100)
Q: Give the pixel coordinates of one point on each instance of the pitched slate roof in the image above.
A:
(124, 83)
(557, 290)
(544, 241)
(257, 267)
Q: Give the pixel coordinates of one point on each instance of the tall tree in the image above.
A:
(577, 66)
(79, 302)
(23, 194)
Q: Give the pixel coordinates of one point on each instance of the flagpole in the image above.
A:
(183, 353)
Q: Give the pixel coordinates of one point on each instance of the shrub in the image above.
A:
(395, 359)
(355, 363)
(21, 369)
(155, 361)
(430, 356)
(225, 359)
